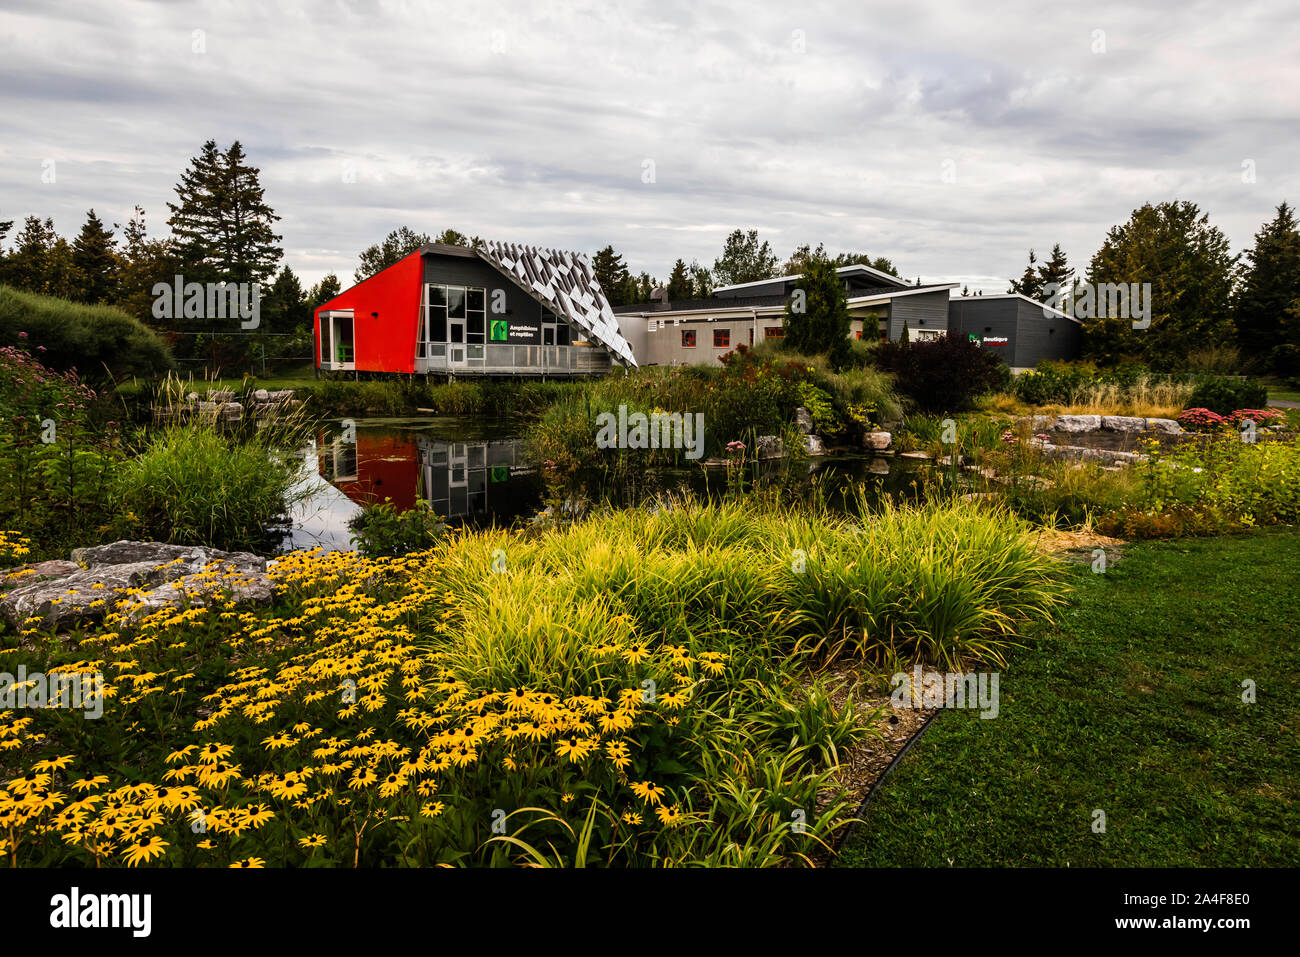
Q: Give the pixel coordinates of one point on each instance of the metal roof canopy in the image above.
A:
(563, 281)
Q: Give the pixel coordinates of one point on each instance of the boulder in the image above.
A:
(28, 574)
(1077, 423)
(1167, 426)
(803, 420)
(813, 443)
(1040, 423)
(877, 440)
(68, 594)
(769, 447)
(200, 590)
(1123, 423)
(126, 552)
(261, 395)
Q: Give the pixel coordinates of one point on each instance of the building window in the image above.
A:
(774, 332)
(721, 338)
(454, 314)
(688, 338)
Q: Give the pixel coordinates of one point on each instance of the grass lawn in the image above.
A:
(1131, 705)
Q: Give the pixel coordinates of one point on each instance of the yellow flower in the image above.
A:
(432, 809)
(669, 816)
(647, 792)
(145, 848)
(251, 862)
(312, 840)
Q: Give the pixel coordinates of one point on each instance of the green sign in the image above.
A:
(500, 473)
(498, 330)
(976, 339)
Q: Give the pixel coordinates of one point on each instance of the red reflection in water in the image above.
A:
(377, 466)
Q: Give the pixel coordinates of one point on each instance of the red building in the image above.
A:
(496, 309)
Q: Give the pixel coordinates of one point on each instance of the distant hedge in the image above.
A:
(87, 338)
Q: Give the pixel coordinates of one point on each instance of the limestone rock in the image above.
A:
(1167, 426)
(1123, 423)
(1077, 423)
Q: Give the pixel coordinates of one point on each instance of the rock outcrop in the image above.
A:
(132, 579)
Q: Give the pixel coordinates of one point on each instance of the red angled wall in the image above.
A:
(385, 343)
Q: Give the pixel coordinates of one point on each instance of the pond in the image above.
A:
(474, 471)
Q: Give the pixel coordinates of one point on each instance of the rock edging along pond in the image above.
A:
(133, 579)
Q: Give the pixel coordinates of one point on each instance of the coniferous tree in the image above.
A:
(612, 275)
(679, 283)
(818, 321)
(221, 222)
(1030, 283)
(285, 308)
(1187, 263)
(1269, 286)
(94, 255)
(1056, 270)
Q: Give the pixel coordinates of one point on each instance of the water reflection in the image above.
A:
(474, 472)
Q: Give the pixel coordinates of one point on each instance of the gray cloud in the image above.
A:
(818, 122)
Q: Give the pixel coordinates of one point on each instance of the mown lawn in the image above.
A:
(1131, 705)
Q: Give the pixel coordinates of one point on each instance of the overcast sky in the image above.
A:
(947, 136)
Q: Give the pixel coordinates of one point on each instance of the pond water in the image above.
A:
(474, 471)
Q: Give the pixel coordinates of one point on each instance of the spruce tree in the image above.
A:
(1269, 286)
(95, 257)
(222, 224)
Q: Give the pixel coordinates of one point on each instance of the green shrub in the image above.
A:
(382, 530)
(94, 340)
(941, 375)
(1223, 395)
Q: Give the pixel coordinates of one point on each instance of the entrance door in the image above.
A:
(455, 342)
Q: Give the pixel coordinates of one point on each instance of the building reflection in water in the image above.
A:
(473, 481)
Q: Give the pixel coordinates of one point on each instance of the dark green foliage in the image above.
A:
(941, 375)
(381, 529)
(222, 224)
(95, 260)
(398, 244)
(1187, 261)
(744, 259)
(1223, 395)
(1269, 288)
(817, 314)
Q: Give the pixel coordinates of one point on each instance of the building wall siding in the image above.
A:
(926, 310)
(1031, 336)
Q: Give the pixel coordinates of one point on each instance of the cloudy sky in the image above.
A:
(947, 136)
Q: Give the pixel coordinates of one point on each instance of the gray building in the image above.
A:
(1022, 332)
(699, 331)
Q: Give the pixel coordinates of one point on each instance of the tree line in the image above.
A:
(1205, 301)
(223, 230)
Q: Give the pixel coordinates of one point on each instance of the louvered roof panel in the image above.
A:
(565, 282)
